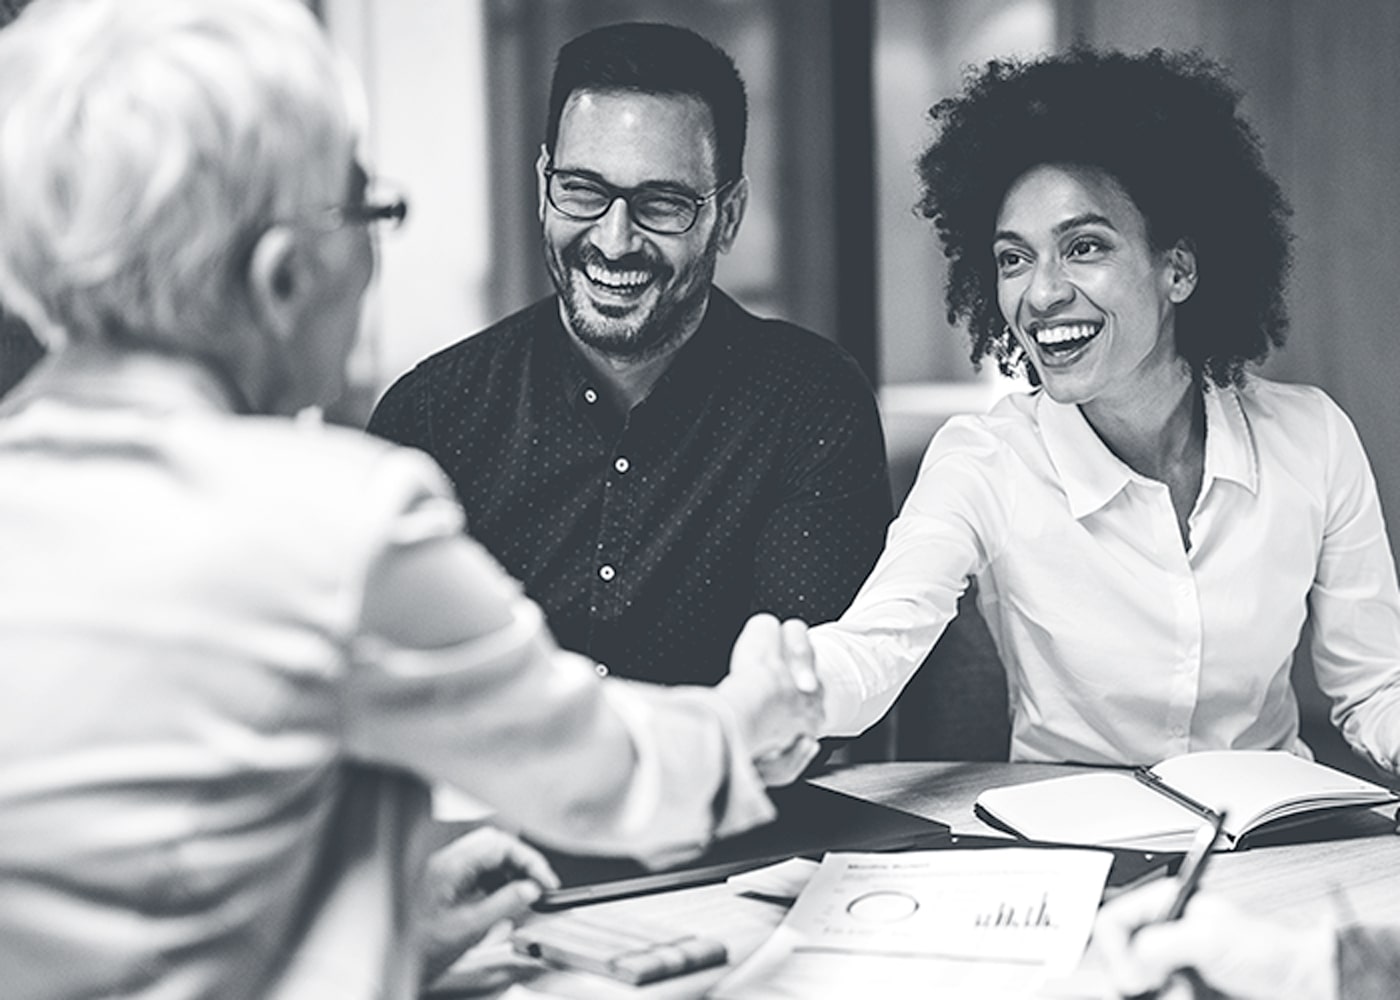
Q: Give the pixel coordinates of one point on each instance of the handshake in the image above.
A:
(774, 691)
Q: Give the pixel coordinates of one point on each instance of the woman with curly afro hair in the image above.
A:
(1151, 526)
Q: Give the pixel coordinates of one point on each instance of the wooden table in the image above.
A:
(1292, 882)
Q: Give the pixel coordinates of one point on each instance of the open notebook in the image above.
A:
(1159, 808)
(811, 821)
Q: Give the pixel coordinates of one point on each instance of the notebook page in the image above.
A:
(1110, 807)
(1256, 785)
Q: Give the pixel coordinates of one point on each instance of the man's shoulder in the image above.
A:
(449, 380)
(772, 345)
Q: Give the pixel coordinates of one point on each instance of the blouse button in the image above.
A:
(590, 395)
(600, 669)
(622, 465)
(606, 572)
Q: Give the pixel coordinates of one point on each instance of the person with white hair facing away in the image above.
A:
(235, 646)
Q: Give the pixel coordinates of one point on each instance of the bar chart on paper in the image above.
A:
(947, 923)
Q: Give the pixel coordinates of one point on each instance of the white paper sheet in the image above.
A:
(981, 923)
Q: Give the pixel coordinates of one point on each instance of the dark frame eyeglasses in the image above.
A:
(660, 210)
(381, 204)
(390, 213)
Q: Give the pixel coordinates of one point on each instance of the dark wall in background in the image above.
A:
(806, 249)
(1322, 85)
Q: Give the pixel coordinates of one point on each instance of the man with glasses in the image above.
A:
(653, 461)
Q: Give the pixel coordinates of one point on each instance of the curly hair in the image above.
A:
(1166, 127)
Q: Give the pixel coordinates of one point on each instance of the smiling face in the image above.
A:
(1089, 300)
(629, 293)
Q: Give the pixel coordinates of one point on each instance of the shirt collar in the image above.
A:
(1092, 475)
(1230, 447)
(155, 383)
(696, 357)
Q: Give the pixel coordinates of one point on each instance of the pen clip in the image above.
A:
(1154, 781)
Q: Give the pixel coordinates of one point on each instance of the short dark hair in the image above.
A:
(653, 58)
(1166, 127)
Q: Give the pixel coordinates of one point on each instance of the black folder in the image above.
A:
(811, 821)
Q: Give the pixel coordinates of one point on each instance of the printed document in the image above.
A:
(981, 923)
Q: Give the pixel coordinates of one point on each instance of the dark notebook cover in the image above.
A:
(811, 821)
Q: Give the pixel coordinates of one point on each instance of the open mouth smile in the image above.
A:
(628, 284)
(1063, 342)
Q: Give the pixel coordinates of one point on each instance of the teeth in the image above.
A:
(1064, 333)
(617, 279)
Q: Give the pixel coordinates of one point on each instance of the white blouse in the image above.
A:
(1121, 646)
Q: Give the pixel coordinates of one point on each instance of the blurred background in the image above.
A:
(839, 91)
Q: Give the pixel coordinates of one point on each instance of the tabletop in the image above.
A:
(1353, 878)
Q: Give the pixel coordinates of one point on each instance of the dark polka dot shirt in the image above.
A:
(751, 478)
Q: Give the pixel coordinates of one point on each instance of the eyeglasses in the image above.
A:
(380, 204)
(389, 213)
(666, 211)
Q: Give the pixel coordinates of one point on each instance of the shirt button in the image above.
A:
(606, 572)
(600, 669)
(622, 465)
(590, 395)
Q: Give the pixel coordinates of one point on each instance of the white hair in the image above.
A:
(145, 145)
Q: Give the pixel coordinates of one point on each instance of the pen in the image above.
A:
(1152, 781)
(1194, 865)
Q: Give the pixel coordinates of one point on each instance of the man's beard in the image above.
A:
(628, 336)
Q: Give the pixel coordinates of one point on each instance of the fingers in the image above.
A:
(1215, 942)
(531, 863)
(801, 661)
(1115, 936)
(482, 858)
(786, 766)
(1205, 940)
(452, 931)
(773, 687)
(509, 902)
(761, 631)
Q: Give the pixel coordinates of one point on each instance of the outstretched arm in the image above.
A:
(457, 679)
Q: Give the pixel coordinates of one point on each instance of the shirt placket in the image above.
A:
(1184, 678)
(613, 583)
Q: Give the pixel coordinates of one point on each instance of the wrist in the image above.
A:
(739, 706)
